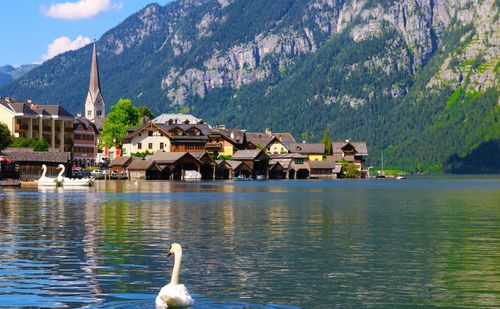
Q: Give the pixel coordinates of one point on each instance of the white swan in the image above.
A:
(65, 181)
(174, 294)
(46, 181)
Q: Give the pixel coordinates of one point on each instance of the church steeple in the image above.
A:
(94, 105)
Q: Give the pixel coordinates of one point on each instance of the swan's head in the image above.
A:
(44, 166)
(175, 249)
(60, 166)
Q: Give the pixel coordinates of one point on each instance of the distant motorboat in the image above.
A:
(401, 177)
(192, 175)
(260, 177)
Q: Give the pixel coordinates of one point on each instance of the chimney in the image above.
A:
(78, 115)
(222, 126)
(29, 101)
(232, 134)
(268, 132)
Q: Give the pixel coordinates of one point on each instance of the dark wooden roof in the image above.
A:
(254, 154)
(322, 165)
(29, 155)
(143, 165)
(359, 146)
(308, 148)
(121, 161)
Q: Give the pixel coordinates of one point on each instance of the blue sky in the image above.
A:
(30, 27)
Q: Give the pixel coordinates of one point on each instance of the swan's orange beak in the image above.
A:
(170, 253)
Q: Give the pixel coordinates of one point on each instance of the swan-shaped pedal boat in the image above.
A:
(174, 294)
(70, 182)
(45, 181)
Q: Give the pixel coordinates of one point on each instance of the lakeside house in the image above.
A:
(354, 152)
(85, 148)
(256, 159)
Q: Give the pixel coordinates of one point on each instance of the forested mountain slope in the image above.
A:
(415, 78)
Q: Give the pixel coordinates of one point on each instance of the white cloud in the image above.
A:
(63, 44)
(80, 9)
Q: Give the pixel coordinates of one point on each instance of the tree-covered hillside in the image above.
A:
(417, 80)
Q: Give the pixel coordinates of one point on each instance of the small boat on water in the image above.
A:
(191, 175)
(401, 176)
(260, 177)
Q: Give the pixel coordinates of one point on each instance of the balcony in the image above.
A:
(213, 146)
(21, 127)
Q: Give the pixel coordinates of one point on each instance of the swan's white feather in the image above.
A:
(174, 295)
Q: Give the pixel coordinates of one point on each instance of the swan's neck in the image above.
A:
(44, 169)
(61, 173)
(177, 268)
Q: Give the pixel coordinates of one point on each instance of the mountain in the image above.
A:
(417, 79)
(9, 73)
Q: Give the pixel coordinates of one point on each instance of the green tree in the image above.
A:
(37, 145)
(123, 115)
(327, 141)
(349, 170)
(5, 136)
(144, 111)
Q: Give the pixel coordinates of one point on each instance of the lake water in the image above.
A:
(270, 244)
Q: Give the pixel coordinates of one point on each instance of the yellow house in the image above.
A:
(220, 144)
(315, 151)
(51, 123)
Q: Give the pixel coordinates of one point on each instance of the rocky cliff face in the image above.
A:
(302, 29)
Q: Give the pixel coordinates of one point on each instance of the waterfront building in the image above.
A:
(256, 159)
(220, 143)
(173, 137)
(354, 152)
(51, 123)
(85, 138)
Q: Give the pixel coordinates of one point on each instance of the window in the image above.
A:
(150, 146)
(150, 133)
(89, 113)
(99, 113)
(139, 146)
(161, 145)
(299, 161)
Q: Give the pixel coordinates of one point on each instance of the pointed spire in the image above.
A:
(94, 84)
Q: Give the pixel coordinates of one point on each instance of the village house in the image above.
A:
(256, 159)
(295, 165)
(272, 143)
(143, 169)
(325, 169)
(220, 144)
(354, 152)
(51, 123)
(119, 165)
(85, 138)
(173, 165)
(153, 136)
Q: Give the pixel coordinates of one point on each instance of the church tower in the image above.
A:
(94, 105)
